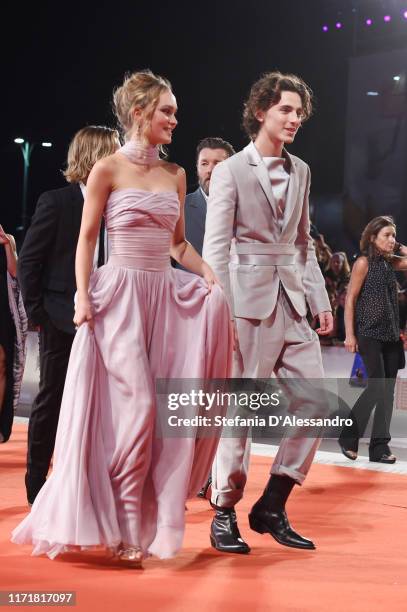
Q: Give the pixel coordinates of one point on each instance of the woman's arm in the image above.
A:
(181, 250)
(9, 244)
(98, 188)
(359, 272)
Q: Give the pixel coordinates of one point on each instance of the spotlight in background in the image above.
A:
(387, 18)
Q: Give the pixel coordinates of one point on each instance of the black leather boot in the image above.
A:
(268, 514)
(225, 535)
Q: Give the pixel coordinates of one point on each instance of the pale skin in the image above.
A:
(117, 172)
(384, 242)
(9, 245)
(279, 126)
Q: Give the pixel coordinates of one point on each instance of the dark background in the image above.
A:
(63, 60)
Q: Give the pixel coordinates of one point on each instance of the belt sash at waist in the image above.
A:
(262, 254)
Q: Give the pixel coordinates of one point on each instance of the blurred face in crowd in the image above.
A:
(281, 121)
(385, 239)
(336, 263)
(207, 160)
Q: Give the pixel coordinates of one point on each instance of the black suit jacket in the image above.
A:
(46, 264)
(195, 217)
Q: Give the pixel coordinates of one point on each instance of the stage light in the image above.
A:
(372, 93)
(338, 25)
(396, 78)
(46, 144)
(325, 28)
(405, 14)
(387, 18)
(19, 140)
(369, 22)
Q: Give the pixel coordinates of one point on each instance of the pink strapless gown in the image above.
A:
(113, 480)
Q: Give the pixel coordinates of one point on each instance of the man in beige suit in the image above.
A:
(257, 242)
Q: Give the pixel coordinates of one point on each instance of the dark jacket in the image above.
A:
(195, 217)
(46, 265)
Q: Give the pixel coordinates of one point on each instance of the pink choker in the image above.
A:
(139, 153)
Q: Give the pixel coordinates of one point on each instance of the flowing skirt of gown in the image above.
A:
(113, 479)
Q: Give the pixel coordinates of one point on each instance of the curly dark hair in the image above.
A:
(266, 92)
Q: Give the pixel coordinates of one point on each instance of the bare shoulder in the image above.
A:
(107, 165)
(176, 174)
(174, 169)
(361, 265)
(104, 170)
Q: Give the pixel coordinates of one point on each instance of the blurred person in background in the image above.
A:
(337, 273)
(13, 331)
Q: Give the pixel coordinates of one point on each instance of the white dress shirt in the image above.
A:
(280, 178)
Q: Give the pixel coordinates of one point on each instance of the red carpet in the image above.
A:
(356, 517)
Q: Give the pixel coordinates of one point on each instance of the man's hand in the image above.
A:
(326, 323)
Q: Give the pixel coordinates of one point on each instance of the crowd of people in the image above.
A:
(246, 267)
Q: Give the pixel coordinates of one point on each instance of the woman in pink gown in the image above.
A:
(115, 483)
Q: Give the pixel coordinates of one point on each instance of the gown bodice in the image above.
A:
(140, 225)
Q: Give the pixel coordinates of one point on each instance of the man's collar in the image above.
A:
(255, 158)
(203, 193)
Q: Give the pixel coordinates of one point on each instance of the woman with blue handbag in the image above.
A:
(372, 329)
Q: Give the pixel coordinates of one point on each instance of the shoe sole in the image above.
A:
(227, 550)
(259, 527)
(345, 453)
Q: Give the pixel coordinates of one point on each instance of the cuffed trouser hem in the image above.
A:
(284, 471)
(226, 499)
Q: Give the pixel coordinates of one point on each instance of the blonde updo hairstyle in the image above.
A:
(140, 90)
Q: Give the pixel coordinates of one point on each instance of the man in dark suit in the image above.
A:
(210, 151)
(46, 271)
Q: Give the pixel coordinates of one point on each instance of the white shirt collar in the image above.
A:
(204, 194)
(83, 189)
